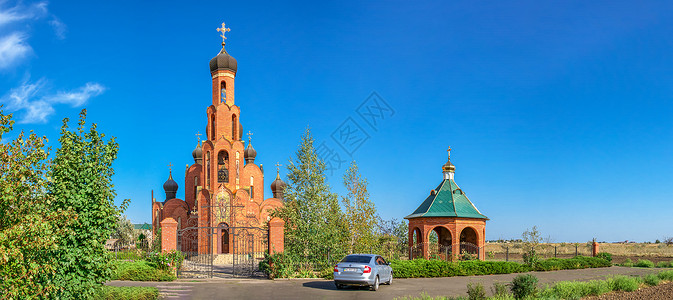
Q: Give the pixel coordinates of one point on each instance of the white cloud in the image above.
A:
(38, 105)
(13, 48)
(20, 13)
(59, 27)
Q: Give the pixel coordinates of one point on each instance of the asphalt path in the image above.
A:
(325, 289)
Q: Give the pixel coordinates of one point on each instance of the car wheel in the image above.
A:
(391, 279)
(375, 287)
(339, 286)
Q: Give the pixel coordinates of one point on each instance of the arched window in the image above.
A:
(208, 169)
(252, 188)
(196, 187)
(223, 166)
(234, 128)
(212, 127)
(223, 91)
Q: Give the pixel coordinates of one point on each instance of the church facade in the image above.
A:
(224, 210)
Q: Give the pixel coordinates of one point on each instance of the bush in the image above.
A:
(419, 268)
(605, 255)
(577, 262)
(576, 290)
(664, 264)
(166, 261)
(126, 293)
(524, 286)
(476, 291)
(624, 283)
(666, 275)
(644, 263)
(140, 271)
(627, 263)
(499, 290)
(651, 280)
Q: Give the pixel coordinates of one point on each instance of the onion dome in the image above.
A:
(249, 153)
(223, 61)
(170, 187)
(277, 187)
(198, 153)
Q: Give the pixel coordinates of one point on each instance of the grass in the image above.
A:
(575, 289)
(126, 293)
(140, 271)
(619, 249)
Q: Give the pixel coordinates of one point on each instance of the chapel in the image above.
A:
(458, 227)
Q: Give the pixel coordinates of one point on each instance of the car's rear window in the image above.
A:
(362, 259)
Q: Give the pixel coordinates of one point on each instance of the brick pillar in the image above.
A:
(482, 244)
(594, 251)
(169, 235)
(276, 235)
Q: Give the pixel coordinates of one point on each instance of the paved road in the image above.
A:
(324, 289)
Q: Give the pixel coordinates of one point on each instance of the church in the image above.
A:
(224, 210)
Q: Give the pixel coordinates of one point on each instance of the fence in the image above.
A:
(515, 251)
(133, 251)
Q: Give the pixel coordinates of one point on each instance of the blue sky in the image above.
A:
(558, 113)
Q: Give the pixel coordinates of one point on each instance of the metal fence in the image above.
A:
(515, 251)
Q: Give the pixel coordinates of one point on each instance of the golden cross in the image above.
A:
(198, 135)
(278, 167)
(449, 151)
(223, 30)
(249, 135)
(169, 166)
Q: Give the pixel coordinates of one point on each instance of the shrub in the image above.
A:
(166, 261)
(499, 290)
(644, 263)
(605, 255)
(140, 271)
(577, 262)
(666, 275)
(651, 280)
(627, 263)
(126, 293)
(476, 291)
(624, 283)
(576, 290)
(664, 264)
(524, 286)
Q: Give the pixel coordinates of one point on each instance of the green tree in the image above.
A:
(314, 224)
(531, 240)
(360, 213)
(81, 181)
(124, 232)
(27, 224)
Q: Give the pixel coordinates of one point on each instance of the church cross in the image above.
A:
(249, 136)
(170, 165)
(278, 165)
(223, 30)
(449, 151)
(198, 136)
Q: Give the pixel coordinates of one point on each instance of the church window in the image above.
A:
(252, 188)
(223, 91)
(223, 166)
(234, 128)
(208, 170)
(196, 187)
(212, 127)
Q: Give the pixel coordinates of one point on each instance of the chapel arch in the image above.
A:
(223, 166)
(223, 238)
(469, 241)
(443, 243)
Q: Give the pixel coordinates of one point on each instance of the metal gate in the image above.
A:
(223, 250)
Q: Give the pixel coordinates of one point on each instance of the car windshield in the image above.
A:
(362, 259)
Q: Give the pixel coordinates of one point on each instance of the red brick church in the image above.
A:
(224, 209)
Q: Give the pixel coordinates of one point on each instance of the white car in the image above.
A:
(362, 270)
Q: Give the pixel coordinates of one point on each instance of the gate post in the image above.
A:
(276, 236)
(169, 234)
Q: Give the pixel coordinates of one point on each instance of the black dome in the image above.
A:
(249, 153)
(197, 153)
(278, 187)
(170, 187)
(223, 61)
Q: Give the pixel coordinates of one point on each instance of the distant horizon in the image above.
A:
(558, 114)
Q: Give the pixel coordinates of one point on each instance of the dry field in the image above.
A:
(620, 251)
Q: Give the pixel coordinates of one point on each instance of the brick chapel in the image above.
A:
(224, 186)
(459, 226)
